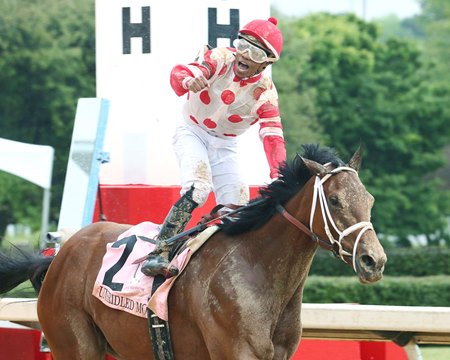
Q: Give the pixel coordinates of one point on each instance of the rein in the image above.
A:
(323, 243)
(320, 197)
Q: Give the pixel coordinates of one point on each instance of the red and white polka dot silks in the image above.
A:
(230, 105)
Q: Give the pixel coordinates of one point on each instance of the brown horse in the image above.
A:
(240, 297)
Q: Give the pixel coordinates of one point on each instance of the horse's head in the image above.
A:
(340, 214)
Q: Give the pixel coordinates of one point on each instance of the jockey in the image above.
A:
(227, 92)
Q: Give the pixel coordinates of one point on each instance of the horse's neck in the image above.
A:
(285, 250)
(303, 247)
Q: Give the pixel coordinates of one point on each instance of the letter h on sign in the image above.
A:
(216, 30)
(141, 30)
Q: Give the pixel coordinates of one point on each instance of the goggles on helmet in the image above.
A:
(255, 53)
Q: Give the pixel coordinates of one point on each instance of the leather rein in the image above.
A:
(332, 244)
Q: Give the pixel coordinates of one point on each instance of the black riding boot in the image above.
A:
(157, 261)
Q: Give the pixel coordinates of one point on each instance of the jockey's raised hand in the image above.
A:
(196, 84)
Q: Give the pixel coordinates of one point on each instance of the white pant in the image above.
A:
(210, 164)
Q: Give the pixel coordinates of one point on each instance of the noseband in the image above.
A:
(334, 245)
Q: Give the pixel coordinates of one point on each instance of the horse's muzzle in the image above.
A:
(370, 265)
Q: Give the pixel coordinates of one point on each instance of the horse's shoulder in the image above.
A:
(97, 232)
(107, 226)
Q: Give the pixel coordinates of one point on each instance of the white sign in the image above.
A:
(137, 44)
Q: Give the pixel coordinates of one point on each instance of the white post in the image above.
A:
(86, 155)
(45, 216)
(413, 351)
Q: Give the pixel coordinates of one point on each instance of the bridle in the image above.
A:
(334, 245)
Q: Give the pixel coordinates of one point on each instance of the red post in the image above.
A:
(373, 350)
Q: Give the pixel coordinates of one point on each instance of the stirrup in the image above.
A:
(158, 265)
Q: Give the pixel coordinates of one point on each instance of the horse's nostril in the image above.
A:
(368, 261)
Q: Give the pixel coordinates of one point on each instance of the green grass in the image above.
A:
(9, 246)
(435, 352)
(24, 290)
(27, 242)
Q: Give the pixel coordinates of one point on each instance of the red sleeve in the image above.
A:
(271, 132)
(180, 72)
(177, 75)
(268, 110)
(275, 150)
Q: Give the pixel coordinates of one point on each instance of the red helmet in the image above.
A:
(267, 32)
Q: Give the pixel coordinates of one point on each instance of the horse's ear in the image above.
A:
(314, 167)
(355, 161)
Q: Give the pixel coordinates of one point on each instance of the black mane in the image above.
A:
(292, 178)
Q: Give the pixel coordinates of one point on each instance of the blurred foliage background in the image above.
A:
(342, 82)
(47, 62)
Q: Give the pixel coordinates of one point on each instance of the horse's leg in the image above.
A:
(229, 330)
(62, 307)
(255, 343)
(287, 333)
(248, 346)
(229, 338)
(73, 336)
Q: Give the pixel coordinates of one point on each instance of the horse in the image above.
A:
(240, 296)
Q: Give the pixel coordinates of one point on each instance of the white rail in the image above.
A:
(18, 309)
(422, 325)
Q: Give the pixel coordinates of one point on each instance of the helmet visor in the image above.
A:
(255, 53)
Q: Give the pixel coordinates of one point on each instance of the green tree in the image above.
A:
(435, 22)
(393, 27)
(367, 91)
(430, 29)
(47, 62)
(297, 103)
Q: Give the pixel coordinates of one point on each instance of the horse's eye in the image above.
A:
(334, 201)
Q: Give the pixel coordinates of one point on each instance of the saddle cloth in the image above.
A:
(121, 285)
